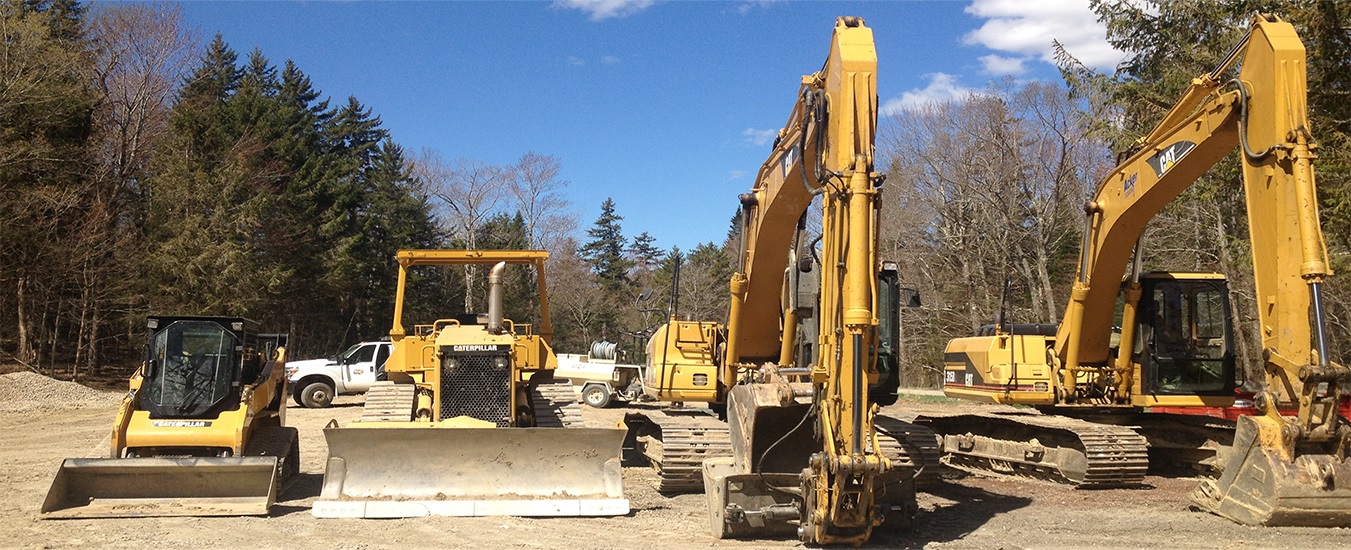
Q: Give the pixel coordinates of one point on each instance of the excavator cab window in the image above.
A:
(1184, 330)
(191, 370)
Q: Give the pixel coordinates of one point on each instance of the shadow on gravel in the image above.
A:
(970, 509)
(304, 486)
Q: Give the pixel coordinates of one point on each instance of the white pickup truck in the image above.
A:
(314, 382)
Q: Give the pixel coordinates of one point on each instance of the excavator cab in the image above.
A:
(1184, 341)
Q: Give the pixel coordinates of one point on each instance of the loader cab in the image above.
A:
(195, 365)
(1184, 342)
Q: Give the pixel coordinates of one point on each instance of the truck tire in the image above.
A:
(315, 395)
(596, 395)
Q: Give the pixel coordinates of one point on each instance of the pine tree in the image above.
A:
(605, 251)
(644, 253)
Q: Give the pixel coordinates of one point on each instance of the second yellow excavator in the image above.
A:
(1133, 344)
(803, 451)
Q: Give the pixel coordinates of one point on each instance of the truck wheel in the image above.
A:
(596, 395)
(316, 395)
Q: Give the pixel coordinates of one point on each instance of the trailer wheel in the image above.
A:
(596, 395)
(316, 395)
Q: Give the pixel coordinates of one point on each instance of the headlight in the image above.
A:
(502, 363)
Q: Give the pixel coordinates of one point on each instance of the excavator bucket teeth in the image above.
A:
(149, 487)
(1258, 487)
(390, 472)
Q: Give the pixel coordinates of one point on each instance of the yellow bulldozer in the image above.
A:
(200, 433)
(471, 421)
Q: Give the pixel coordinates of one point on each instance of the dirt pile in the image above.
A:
(26, 391)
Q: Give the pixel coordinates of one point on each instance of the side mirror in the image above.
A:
(910, 297)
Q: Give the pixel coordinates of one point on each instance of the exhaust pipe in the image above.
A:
(495, 298)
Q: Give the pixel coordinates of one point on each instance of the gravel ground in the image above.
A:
(961, 513)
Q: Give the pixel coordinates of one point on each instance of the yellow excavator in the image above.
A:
(1133, 345)
(200, 433)
(471, 421)
(808, 453)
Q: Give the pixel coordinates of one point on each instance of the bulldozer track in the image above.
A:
(1048, 447)
(676, 446)
(556, 405)
(912, 446)
(389, 402)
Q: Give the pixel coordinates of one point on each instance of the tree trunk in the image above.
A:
(26, 352)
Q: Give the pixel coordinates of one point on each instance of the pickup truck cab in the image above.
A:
(316, 381)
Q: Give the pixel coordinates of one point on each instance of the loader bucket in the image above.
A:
(392, 472)
(1258, 487)
(148, 487)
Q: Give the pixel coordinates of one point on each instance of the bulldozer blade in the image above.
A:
(392, 472)
(1258, 487)
(150, 487)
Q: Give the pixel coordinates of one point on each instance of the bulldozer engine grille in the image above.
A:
(474, 385)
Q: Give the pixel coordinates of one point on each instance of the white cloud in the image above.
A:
(942, 87)
(759, 137)
(737, 174)
(609, 59)
(605, 9)
(574, 60)
(1027, 28)
(746, 6)
(1000, 65)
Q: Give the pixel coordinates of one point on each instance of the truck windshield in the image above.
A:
(342, 357)
(190, 370)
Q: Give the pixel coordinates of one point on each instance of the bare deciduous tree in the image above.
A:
(538, 190)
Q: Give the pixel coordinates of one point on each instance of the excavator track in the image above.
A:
(389, 402)
(1048, 447)
(555, 404)
(911, 445)
(676, 443)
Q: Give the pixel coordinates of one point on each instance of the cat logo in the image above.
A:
(181, 424)
(478, 347)
(1164, 160)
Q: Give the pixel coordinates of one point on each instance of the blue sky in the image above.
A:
(665, 106)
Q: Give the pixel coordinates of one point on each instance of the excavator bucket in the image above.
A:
(392, 472)
(149, 487)
(1258, 487)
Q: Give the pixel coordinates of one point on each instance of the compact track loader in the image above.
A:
(200, 433)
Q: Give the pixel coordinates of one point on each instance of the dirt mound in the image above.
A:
(25, 390)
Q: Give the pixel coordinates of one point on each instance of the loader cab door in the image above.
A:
(192, 370)
(1184, 337)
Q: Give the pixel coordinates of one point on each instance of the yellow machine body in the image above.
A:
(1111, 348)
(471, 421)
(199, 433)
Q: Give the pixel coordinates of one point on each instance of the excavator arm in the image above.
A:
(1263, 114)
(825, 150)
